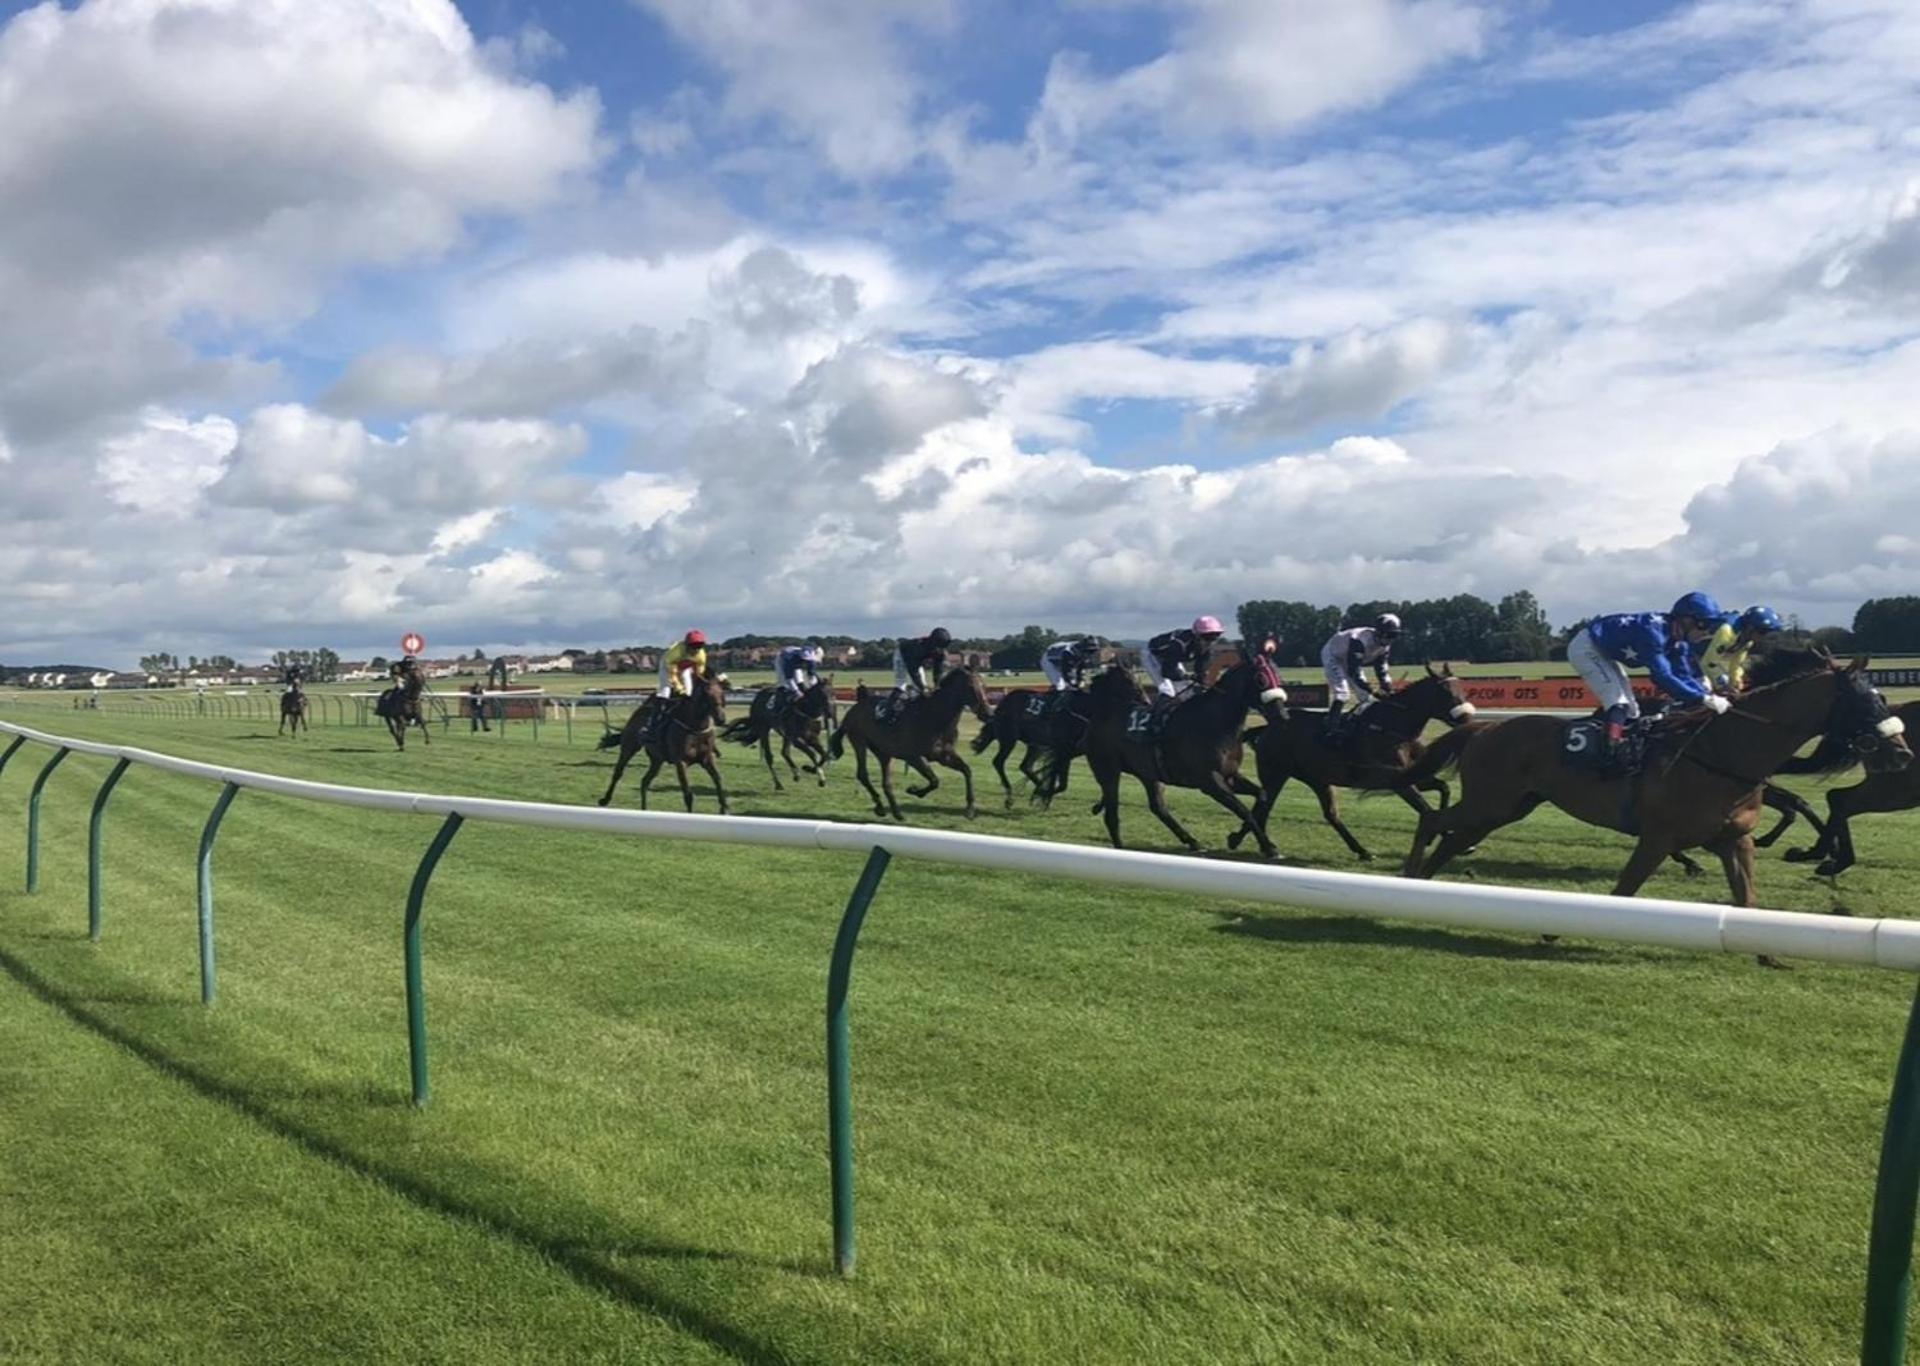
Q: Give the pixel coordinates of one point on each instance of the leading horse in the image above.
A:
(1702, 786)
(293, 708)
(399, 706)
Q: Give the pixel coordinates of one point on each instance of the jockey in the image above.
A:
(1346, 657)
(1177, 660)
(685, 660)
(1066, 662)
(794, 671)
(290, 676)
(404, 669)
(1661, 642)
(1725, 660)
(918, 664)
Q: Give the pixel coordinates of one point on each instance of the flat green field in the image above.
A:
(1094, 1124)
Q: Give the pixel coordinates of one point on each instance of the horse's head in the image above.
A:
(1256, 682)
(710, 692)
(967, 685)
(1438, 696)
(1860, 727)
(1114, 683)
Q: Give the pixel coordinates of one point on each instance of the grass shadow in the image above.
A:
(1339, 929)
(578, 1260)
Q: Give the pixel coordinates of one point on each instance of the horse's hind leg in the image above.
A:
(1460, 827)
(1874, 795)
(646, 783)
(619, 767)
(786, 752)
(1262, 810)
(1648, 854)
(1687, 863)
(686, 788)
(766, 753)
(1000, 767)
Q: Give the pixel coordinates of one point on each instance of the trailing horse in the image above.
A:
(293, 708)
(1381, 746)
(801, 722)
(399, 706)
(915, 731)
(1195, 743)
(680, 731)
(1702, 785)
(1040, 719)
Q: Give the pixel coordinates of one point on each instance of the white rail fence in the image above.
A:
(1882, 943)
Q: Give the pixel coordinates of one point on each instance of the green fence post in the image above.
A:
(11, 750)
(95, 833)
(416, 989)
(227, 794)
(33, 817)
(569, 708)
(1890, 1245)
(839, 1071)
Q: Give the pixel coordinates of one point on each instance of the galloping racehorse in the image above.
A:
(1702, 786)
(1384, 745)
(293, 707)
(1885, 790)
(1195, 744)
(687, 734)
(1040, 719)
(399, 707)
(918, 730)
(801, 722)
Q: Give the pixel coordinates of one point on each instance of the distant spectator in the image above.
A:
(478, 719)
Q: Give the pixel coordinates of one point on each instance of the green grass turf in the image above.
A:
(1093, 1124)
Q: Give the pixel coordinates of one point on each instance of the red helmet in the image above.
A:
(696, 637)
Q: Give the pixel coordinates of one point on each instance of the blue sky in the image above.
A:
(554, 322)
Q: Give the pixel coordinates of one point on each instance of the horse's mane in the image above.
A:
(1783, 666)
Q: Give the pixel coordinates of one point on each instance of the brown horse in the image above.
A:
(1384, 745)
(800, 722)
(1196, 743)
(293, 707)
(1702, 785)
(921, 729)
(680, 731)
(1040, 719)
(399, 707)
(1885, 790)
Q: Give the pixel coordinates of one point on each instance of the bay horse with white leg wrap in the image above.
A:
(800, 721)
(1381, 746)
(1194, 743)
(681, 731)
(1703, 783)
(913, 731)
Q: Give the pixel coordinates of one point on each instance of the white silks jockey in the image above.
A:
(1348, 655)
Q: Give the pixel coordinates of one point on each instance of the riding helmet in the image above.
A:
(1758, 620)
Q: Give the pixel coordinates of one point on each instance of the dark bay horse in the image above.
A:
(922, 728)
(688, 733)
(1702, 787)
(1195, 744)
(1041, 719)
(1384, 746)
(399, 706)
(293, 708)
(1884, 790)
(801, 722)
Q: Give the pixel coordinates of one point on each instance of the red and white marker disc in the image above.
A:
(413, 643)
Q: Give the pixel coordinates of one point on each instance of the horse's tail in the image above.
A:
(611, 740)
(1443, 755)
(837, 742)
(1050, 769)
(745, 731)
(988, 734)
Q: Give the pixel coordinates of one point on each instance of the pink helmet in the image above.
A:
(1208, 626)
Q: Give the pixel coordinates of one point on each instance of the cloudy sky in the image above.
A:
(584, 321)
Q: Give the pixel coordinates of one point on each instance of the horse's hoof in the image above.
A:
(1828, 869)
(603, 801)
(970, 813)
(1767, 960)
(1799, 856)
(1236, 839)
(1549, 939)
(1365, 856)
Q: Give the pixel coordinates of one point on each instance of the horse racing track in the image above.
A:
(1096, 1123)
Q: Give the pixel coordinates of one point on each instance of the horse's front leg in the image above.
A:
(686, 788)
(954, 761)
(1157, 803)
(886, 785)
(919, 765)
(719, 788)
(1226, 792)
(654, 761)
(766, 753)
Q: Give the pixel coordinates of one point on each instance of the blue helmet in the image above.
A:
(1699, 606)
(1758, 619)
(813, 654)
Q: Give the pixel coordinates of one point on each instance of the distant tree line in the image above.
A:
(1462, 627)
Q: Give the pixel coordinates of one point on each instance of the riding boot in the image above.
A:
(1330, 728)
(1616, 732)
